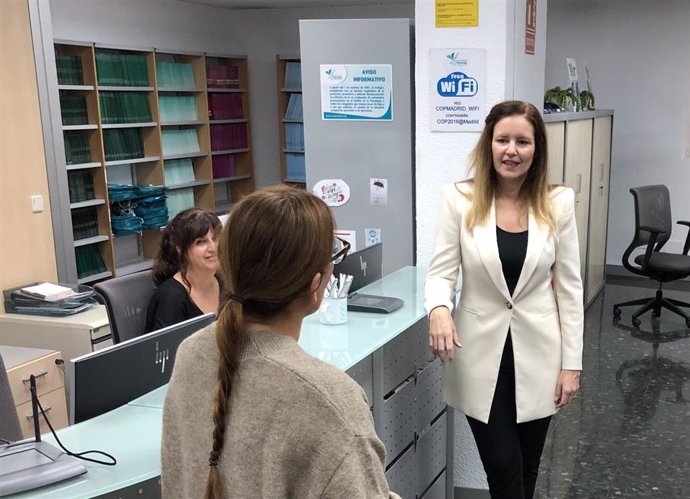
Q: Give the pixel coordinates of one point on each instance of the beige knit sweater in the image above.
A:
(298, 427)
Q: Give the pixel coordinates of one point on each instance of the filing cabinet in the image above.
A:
(46, 366)
(410, 416)
(73, 336)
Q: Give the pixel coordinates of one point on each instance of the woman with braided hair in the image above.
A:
(248, 413)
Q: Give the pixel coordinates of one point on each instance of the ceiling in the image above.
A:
(271, 4)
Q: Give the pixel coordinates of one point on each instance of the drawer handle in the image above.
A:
(46, 410)
(27, 380)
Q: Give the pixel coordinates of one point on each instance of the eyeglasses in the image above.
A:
(340, 249)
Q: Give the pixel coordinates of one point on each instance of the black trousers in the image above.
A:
(510, 452)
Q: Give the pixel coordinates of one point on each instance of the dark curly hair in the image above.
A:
(178, 236)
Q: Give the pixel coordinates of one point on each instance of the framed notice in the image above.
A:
(356, 92)
(457, 90)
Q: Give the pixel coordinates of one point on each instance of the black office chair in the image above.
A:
(10, 430)
(126, 301)
(652, 230)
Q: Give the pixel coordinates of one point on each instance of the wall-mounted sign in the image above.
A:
(457, 13)
(378, 191)
(350, 236)
(356, 92)
(333, 191)
(457, 90)
(530, 26)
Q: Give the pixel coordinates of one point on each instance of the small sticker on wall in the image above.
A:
(378, 191)
(373, 236)
(350, 236)
(334, 191)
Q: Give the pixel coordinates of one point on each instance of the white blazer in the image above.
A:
(545, 313)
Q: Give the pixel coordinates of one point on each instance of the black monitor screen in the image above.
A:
(108, 378)
(365, 266)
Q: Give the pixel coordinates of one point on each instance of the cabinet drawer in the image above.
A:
(100, 335)
(406, 353)
(437, 489)
(431, 453)
(410, 409)
(53, 404)
(49, 376)
(416, 469)
(401, 476)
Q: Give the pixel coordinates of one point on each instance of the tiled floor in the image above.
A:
(628, 433)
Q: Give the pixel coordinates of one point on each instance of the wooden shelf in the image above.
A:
(284, 95)
(184, 123)
(122, 255)
(112, 88)
(180, 90)
(228, 151)
(85, 204)
(83, 166)
(225, 122)
(76, 88)
(69, 128)
(196, 154)
(90, 240)
(226, 90)
(146, 159)
(95, 277)
(231, 179)
(129, 125)
(194, 183)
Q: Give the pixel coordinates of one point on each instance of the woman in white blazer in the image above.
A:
(513, 351)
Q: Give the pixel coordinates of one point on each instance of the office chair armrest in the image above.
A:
(654, 234)
(686, 246)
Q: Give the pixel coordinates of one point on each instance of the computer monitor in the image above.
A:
(365, 266)
(108, 378)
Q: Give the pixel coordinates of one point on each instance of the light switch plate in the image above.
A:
(37, 204)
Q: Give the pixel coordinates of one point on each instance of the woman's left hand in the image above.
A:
(567, 386)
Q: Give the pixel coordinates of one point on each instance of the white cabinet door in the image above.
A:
(555, 136)
(598, 205)
(578, 161)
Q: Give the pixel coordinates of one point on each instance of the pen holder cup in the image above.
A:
(333, 311)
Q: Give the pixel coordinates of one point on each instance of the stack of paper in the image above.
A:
(48, 291)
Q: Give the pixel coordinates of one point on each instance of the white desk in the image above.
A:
(379, 351)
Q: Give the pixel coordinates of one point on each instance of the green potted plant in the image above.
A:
(563, 98)
(587, 100)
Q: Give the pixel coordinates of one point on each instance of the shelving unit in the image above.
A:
(290, 123)
(135, 119)
(84, 161)
(228, 113)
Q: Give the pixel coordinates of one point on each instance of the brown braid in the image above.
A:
(265, 268)
(230, 347)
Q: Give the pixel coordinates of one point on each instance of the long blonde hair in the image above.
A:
(275, 241)
(534, 192)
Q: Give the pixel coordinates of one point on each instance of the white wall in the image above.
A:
(528, 70)
(637, 52)
(259, 34)
(441, 157)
